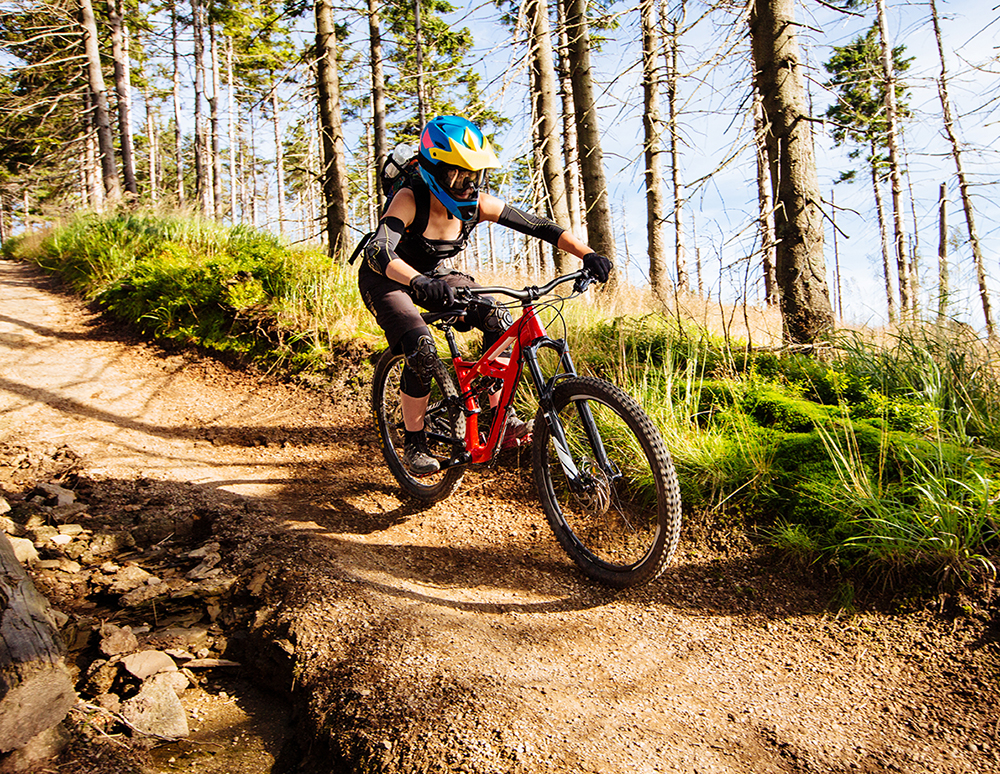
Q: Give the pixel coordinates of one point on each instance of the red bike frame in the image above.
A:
(526, 329)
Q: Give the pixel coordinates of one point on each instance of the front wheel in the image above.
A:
(607, 485)
(444, 424)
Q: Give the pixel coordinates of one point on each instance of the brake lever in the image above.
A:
(581, 283)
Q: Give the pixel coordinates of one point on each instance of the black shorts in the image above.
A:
(394, 308)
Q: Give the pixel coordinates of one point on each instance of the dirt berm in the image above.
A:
(459, 637)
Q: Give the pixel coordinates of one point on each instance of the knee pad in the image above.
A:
(420, 354)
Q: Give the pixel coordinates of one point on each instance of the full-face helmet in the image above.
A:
(454, 157)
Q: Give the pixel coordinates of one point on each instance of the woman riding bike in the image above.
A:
(406, 263)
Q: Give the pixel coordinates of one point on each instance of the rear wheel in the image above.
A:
(444, 425)
(619, 514)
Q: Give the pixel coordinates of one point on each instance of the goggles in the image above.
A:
(461, 182)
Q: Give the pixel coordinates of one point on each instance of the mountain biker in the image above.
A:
(426, 224)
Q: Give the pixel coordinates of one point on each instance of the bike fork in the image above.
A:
(577, 481)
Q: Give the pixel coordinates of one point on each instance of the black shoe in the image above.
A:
(417, 459)
(516, 432)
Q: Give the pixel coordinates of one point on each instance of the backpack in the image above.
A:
(401, 169)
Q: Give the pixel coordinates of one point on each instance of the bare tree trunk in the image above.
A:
(544, 83)
(418, 34)
(697, 257)
(836, 255)
(943, 286)
(102, 117)
(123, 93)
(154, 149)
(906, 300)
(595, 189)
(213, 104)
(883, 234)
(332, 135)
(653, 148)
(202, 186)
(93, 181)
(765, 205)
(570, 146)
(680, 255)
(231, 88)
(381, 151)
(252, 194)
(963, 183)
(279, 155)
(801, 274)
(178, 134)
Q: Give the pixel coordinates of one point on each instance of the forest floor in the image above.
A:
(374, 634)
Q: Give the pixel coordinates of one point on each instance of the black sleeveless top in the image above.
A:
(423, 254)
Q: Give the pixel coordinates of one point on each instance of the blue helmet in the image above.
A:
(454, 155)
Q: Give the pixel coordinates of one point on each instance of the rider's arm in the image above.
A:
(498, 211)
(380, 252)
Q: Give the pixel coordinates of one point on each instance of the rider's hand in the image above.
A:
(597, 265)
(432, 291)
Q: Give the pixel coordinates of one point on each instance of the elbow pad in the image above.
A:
(381, 248)
(530, 224)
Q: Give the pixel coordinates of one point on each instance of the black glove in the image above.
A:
(598, 266)
(437, 292)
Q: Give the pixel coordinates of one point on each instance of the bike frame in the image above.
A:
(525, 337)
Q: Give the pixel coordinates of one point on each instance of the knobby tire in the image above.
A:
(622, 526)
(444, 424)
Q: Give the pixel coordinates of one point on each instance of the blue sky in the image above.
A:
(723, 204)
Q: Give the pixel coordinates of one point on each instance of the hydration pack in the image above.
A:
(401, 168)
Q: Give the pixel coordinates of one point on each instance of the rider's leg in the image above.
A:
(415, 383)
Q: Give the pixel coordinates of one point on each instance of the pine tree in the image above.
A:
(859, 117)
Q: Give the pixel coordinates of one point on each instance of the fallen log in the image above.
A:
(35, 687)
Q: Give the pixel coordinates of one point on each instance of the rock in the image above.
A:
(61, 539)
(204, 551)
(116, 640)
(42, 534)
(8, 525)
(52, 491)
(144, 594)
(105, 543)
(63, 513)
(4, 506)
(25, 551)
(128, 578)
(156, 711)
(176, 681)
(71, 529)
(147, 663)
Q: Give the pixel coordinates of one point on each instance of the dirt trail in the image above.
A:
(458, 637)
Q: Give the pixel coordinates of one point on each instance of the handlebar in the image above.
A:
(581, 279)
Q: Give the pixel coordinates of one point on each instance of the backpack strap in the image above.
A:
(422, 200)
